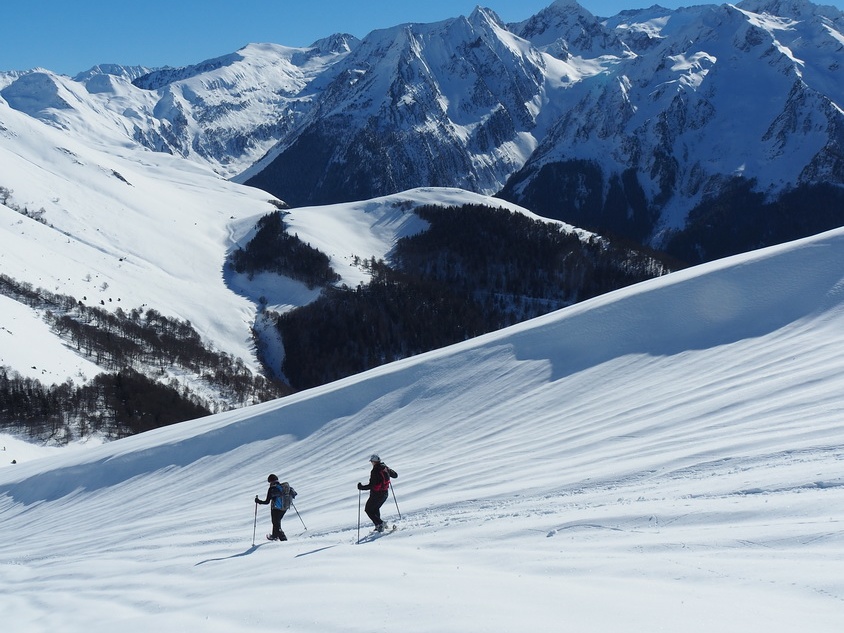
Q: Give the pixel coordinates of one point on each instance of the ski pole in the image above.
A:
(255, 525)
(358, 516)
(394, 499)
(299, 515)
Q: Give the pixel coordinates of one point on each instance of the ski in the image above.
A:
(374, 534)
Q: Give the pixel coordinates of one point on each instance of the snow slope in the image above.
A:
(665, 457)
(124, 227)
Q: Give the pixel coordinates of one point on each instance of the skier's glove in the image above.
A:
(257, 500)
(360, 486)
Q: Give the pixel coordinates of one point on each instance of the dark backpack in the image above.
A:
(281, 495)
(287, 495)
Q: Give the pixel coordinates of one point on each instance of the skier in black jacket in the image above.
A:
(379, 489)
(280, 496)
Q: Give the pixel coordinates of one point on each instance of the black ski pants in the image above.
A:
(276, 516)
(374, 503)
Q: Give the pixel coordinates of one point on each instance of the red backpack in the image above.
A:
(385, 474)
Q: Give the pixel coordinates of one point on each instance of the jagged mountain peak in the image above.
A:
(417, 53)
(451, 99)
(337, 43)
(482, 16)
(565, 28)
(716, 94)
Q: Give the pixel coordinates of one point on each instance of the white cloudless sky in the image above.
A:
(70, 37)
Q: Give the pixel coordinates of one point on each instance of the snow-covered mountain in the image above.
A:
(625, 124)
(712, 93)
(224, 113)
(631, 124)
(455, 103)
(668, 456)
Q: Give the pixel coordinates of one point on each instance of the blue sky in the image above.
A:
(68, 37)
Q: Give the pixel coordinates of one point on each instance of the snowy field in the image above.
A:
(669, 457)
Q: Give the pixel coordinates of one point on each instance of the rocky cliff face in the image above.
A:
(712, 94)
(449, 104)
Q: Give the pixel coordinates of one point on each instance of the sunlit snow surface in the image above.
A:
(665, 457)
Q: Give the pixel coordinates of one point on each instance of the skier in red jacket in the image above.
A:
(379, 489)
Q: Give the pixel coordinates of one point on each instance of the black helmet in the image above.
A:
(272, 478)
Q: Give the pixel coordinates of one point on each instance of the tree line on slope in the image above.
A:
(113, 405)
(714, 228)
(136, 350)
(474, 270)
(271, 249)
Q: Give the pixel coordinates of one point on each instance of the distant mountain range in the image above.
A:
(665, 126)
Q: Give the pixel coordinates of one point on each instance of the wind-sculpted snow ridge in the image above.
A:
(673, 449)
